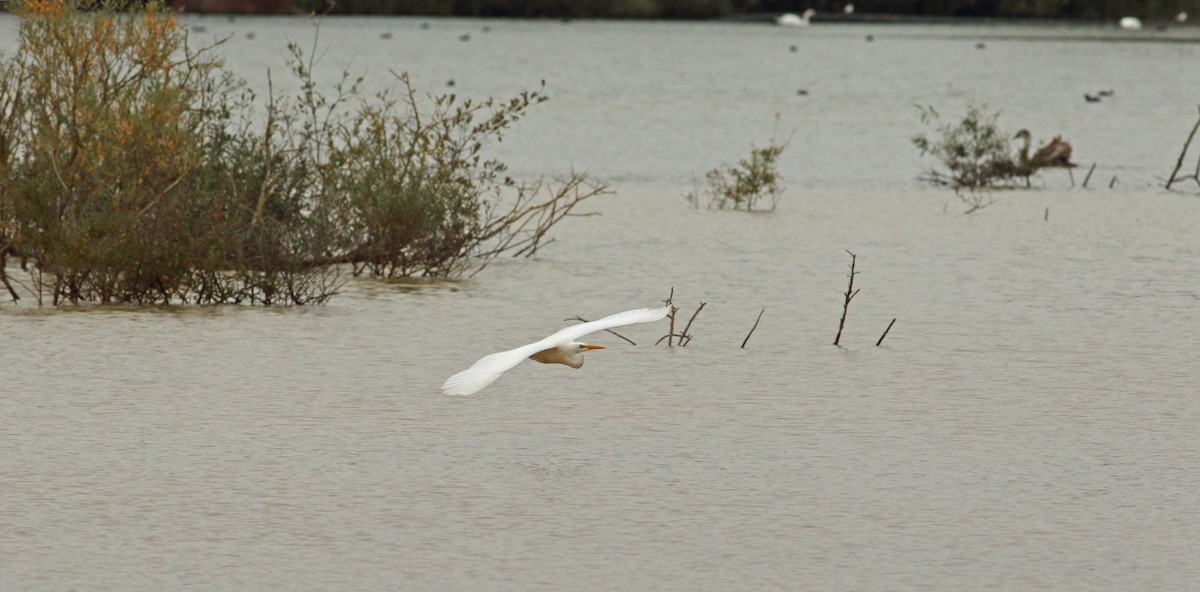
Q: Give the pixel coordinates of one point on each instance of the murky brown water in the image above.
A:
(1029, 422)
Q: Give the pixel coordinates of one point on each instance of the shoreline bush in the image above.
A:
(133, 170)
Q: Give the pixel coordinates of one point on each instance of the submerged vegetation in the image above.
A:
(136, 169)
(746, 186)
(975, 154)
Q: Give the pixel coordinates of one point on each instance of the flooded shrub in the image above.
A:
(975, 153)
(412, 194)
(134, 169)
(747, 185)
(118, 182)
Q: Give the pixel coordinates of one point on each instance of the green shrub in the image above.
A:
(744, 186)
(975, 154)
(133, 169)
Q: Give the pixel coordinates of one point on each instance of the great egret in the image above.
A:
(559, 348)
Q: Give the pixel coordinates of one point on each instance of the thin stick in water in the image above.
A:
(685, 335)
(747, 339)
(1182, 154)
(1089, 175)
(885, 332)
(850, 294)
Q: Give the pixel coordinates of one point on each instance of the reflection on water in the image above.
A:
(1029, 423)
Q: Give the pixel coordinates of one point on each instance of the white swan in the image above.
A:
(1130, 23)
(790, 19)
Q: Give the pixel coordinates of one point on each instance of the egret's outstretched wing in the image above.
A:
(629, 317)
(488, 369)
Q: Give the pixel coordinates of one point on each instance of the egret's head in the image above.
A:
(582, 347)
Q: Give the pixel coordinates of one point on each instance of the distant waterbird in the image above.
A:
(791, 19)
(1130, 23)
(1055, 154)
(1091, 98)
(560, 347)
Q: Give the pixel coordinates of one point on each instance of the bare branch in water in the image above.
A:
(885, 332)
(747, 339)
(850, 294)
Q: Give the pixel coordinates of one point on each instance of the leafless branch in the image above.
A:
(1179, 163)
(747, 339)
(850, 294)
(885, 332)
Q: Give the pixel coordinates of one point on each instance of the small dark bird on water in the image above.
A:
(1091, 98)
(464, 37)
(980, 45)
(1105, 93)
(794, 49)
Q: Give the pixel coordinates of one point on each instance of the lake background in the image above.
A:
(1029, 422)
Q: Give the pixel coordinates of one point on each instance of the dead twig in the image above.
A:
(670, 336)
(850, 294)
(683, 336)
(747, 339)
(885, 332)
(1089, 175)
(1179, 163)
(686, 337)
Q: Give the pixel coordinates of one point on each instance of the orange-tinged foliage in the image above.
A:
(131, 170)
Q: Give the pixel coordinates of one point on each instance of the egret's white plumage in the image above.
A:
(559, 348)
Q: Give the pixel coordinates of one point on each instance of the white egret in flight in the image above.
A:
(559, 348)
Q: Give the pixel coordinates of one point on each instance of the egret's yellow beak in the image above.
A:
(593, 346)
